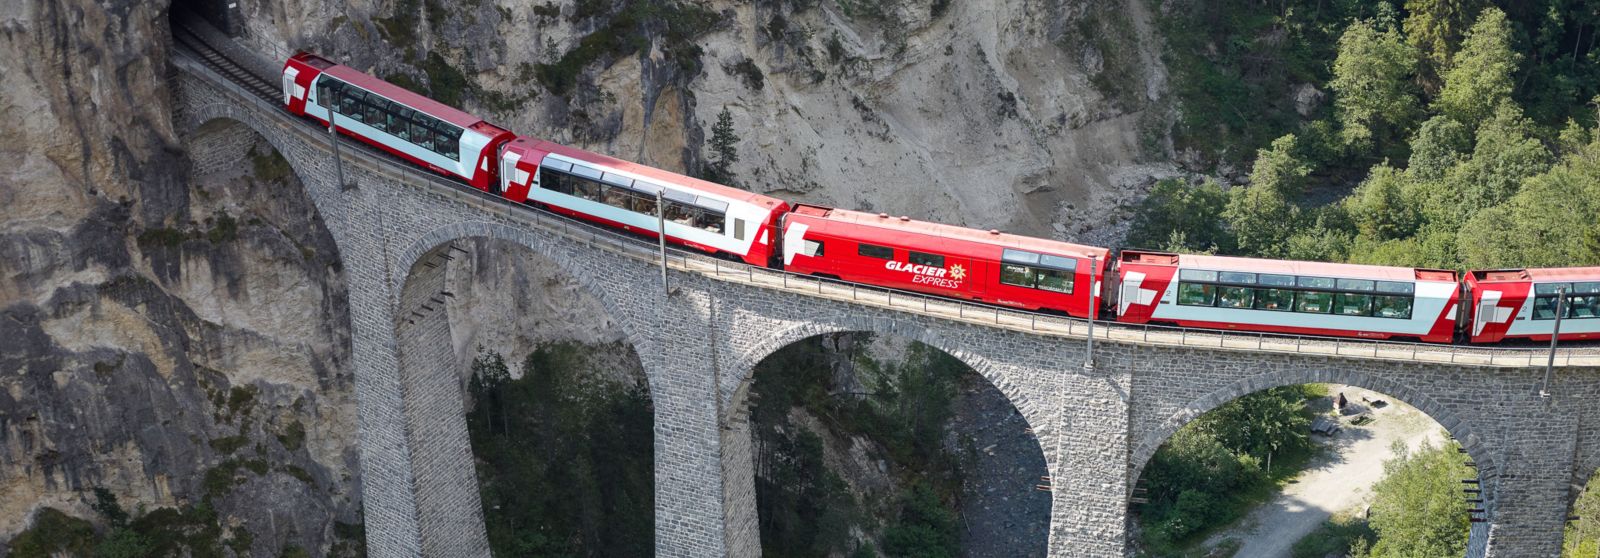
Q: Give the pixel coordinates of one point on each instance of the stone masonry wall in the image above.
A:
(1096, 426)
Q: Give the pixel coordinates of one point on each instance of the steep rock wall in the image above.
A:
(173, 337)
(1037, 117)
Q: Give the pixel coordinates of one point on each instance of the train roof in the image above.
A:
(952, 232)
(417, 102)
(1290, 267)
(1542, 274)
(665, 178)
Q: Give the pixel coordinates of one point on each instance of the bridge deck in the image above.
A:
(189, 59)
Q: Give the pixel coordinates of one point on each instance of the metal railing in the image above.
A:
(643, 249)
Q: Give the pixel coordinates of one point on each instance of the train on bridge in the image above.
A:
(987, 266)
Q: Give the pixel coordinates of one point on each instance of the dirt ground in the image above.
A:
(1338, 480)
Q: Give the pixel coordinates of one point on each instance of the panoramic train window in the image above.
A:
(391, 118)
(619, 192)
(1391, 306)
(1054, 280)
(812, 248)
(1235, 297)
(1018, 275)
(1197, 294)
(1236, 277)
(1037, 271)
(920, 258)
(1311, 295)
(875, 251)
(1352, 304)
(1274, 299)
(1314, 302)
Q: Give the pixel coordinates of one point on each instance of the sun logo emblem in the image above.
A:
(958, 272)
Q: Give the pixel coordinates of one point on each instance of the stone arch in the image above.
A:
(447, 505)
(304, 160)
(745, 362)
(738, 456)
(1458, 428)
(557, 251)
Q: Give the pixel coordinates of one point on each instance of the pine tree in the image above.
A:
(1435, 27)
(724, 148)
(1479, 80)
(1376, 101)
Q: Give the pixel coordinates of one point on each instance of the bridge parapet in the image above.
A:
(1096, 427)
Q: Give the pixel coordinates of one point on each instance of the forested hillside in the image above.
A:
(1437, 133)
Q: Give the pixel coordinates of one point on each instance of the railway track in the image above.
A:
(253, 83)
(220, 63)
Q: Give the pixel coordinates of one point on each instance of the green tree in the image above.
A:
(1439, 144)
(1505, 153)
(1435, 26)
(1382, 206)
(1417, 508)
(1263, 215)
(724, 149)
(1550, 222)
(1479, 79)
(1261, 423)
(1180, 217)
(1375, 99)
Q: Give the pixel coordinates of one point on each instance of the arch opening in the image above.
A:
(1279, 468)
(550, 401)
(866, 442)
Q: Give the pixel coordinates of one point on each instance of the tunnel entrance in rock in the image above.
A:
(557, 405)
(221, 14)
(869, 444)
(1309, 470)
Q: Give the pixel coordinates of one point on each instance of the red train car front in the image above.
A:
(946, 260)
(1283, 296)
(420, 130)
(1522, 303)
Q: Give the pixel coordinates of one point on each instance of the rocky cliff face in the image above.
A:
(1032, 116)
(175, 330)
(177, 337)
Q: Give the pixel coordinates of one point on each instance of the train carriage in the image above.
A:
(418, 129)
(698, 214)
(987, 266)
(1287, 296)
(1522, 303)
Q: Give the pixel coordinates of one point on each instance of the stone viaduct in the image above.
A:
(1097, 426)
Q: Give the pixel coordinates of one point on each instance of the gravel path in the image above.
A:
(1341, 479)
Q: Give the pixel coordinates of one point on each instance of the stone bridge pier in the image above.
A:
(1096, 427)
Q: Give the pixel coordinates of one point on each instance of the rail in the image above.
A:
(645, 250)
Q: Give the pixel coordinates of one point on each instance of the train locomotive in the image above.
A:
(987, 266)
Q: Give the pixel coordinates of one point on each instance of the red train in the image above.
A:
(1227, 293)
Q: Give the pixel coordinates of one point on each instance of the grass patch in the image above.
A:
(162, 237)
(625, 32)
(229, 444)
(240, 398)
(299, 473)
(293, 436)
(54, 533)
(1333, 538)
(270, 166)
(224, 228)
(748, 73)
(446, 84)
